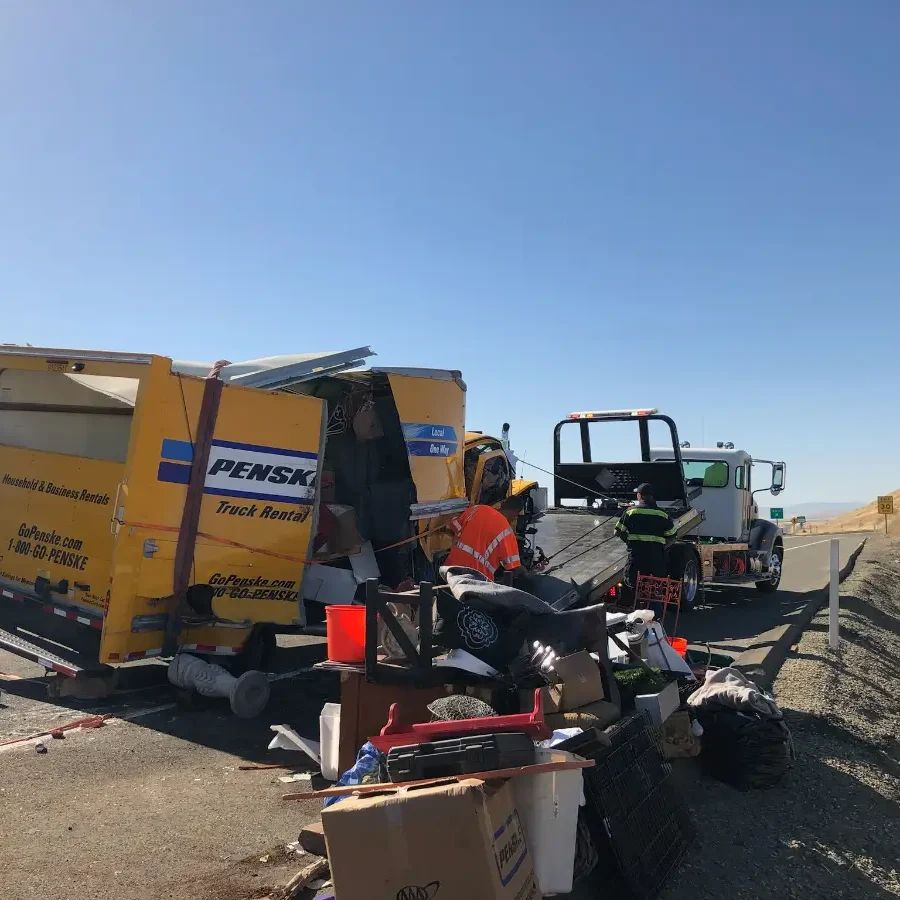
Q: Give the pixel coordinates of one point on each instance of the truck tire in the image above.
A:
(772, 584)
(684, 564)
(257, 654)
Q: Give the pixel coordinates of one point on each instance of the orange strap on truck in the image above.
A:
(299, 559)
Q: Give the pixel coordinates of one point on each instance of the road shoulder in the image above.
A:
(763, 662)
(830, 828)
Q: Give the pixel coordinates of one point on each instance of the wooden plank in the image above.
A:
(297, 884)
(537, 769)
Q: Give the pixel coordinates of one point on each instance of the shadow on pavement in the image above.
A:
(296, 700)
(729, 617)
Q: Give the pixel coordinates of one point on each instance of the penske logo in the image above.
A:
(245, 470)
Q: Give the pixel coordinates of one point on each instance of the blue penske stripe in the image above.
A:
(173, 473)
(180, 451)
(259, 448)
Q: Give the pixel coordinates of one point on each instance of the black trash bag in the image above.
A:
(586, 852)
(743, 750)
(495, 636)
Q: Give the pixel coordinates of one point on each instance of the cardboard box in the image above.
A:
(460, 841)
(660, 705)
(549, 702)
(582, 682)
(341, 531)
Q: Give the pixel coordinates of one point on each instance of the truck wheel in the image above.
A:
(685, 565)
(256, 656)
(776, 564)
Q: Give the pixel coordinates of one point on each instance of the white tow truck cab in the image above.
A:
(733, 544)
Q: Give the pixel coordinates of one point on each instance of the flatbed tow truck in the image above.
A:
(580, 559)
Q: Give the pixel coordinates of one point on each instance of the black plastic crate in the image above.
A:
(651, 843)
(626, 728)
(617, 795)
(637, 818)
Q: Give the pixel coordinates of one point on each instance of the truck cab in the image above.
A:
(723, 477)
(490, 479)
(735, 545)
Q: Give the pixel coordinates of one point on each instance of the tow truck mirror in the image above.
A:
(777, 478)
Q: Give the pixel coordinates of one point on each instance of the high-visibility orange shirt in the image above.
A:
(483, 541)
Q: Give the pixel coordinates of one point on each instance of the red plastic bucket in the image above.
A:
(346, 633)
(679, 645)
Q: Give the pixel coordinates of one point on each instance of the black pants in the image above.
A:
(647, 559)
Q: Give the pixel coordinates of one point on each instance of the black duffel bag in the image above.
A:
(745, 750)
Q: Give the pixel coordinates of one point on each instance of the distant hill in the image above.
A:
(865, 518)
(819, 511)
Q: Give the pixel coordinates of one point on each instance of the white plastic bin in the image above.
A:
(330, 740)
(548, 805)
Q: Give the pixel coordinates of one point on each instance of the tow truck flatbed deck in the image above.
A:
(586, 557)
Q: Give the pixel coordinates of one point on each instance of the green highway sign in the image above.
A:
(801, 520)
(776, 512)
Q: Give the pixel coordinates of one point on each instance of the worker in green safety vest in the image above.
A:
(647, 530)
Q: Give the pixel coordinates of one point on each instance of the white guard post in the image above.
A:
(834, 595)
(248, 694)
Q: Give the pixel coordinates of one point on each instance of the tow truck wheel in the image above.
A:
(685, 565)
(772, 584)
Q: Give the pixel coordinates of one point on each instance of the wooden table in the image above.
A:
(365, 707)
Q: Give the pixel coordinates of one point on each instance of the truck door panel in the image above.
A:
(54, 522)
(257, 517)
(432, 415)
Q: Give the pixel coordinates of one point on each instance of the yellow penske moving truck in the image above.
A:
(150, 506)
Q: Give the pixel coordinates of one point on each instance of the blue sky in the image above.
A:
(580, 205)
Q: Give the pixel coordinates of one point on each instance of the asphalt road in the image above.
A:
(94, 814)
(736, 619)
(153, 805)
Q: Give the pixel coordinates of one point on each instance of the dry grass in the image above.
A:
(866, 518)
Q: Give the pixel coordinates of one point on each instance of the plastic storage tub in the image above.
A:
(345, 627)
(548, 805)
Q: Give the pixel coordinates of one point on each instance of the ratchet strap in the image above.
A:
(190, 514)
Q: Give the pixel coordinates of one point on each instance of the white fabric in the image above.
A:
(561, 735)
(731, 689)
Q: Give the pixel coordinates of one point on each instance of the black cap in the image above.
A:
(645, 489)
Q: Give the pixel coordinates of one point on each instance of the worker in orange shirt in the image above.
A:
(484, 541)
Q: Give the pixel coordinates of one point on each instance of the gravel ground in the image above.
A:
(831, 828)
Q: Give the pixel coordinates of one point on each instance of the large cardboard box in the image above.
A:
(343, 536)
(581, 681)
(462, 841)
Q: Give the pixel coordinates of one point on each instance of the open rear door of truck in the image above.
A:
(431, 404)
(257, 516)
